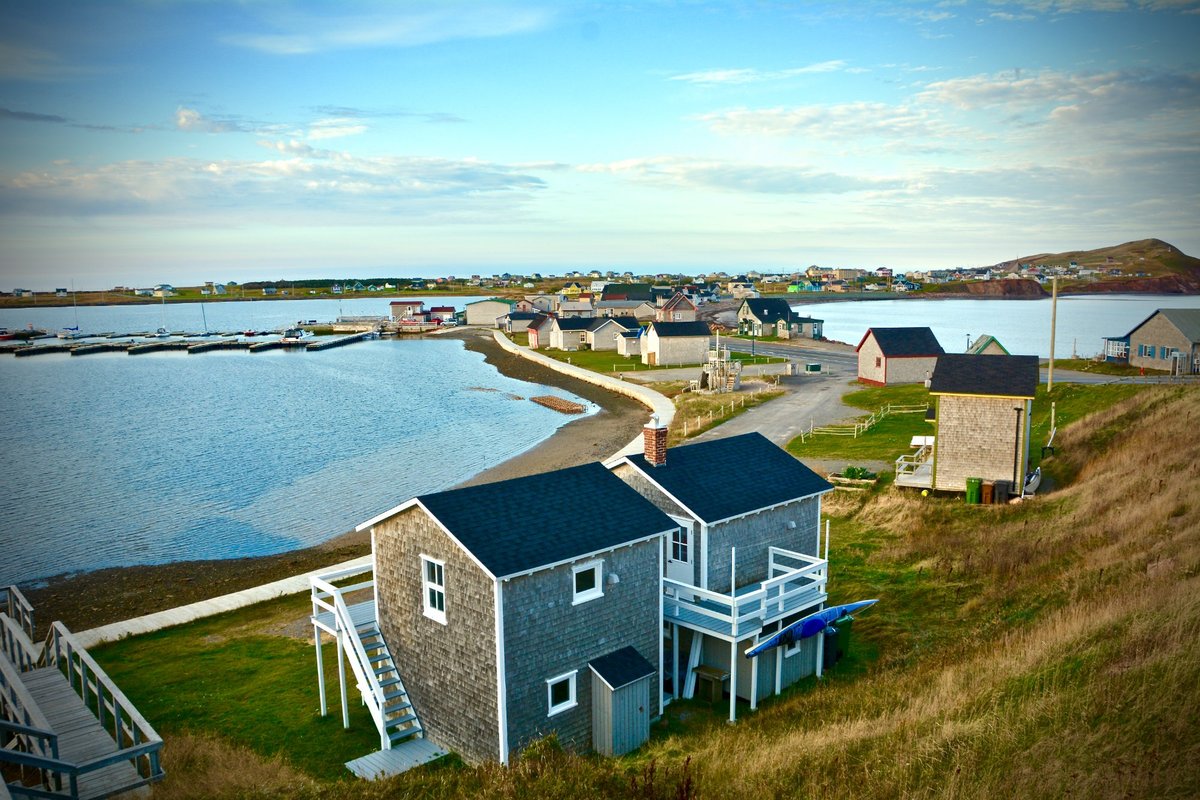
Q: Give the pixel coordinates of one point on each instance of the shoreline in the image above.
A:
(85, 600)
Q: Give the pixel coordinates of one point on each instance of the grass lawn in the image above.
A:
(697, 412)
(1102, 367)
(608, 361)
(237, 675)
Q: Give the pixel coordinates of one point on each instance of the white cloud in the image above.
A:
(334, 128)
(689, 173)
(838, 122)
(296, 33)
(745, 75)
(192, 121)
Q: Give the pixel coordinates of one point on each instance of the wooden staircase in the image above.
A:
(400, 722)
(66, 730)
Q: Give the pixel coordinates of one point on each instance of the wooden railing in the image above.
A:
(791, 575)
(860, 427)
(909, 463)
(16, 645)
(328, 597)
(14, 604)
(136, 740)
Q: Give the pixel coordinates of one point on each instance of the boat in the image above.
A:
(72, 331)
(1032, 481)
(808, 626)
(294, 336)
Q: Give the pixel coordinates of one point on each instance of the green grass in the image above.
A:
(608, 361)
(235, 676)
(1102, 367)
(886, 441)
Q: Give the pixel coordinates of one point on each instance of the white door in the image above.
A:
(680, 553)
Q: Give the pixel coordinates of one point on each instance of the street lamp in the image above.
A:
(968, 344)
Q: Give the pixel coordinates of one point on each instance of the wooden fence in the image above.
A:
(860, 427)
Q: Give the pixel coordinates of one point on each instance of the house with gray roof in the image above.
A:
(743, 563)
(568, 334)
(488, 312)
(604, 333)
(507, 626)
(773, 316)
(1169, 339)
(981, 410)
(890, 356)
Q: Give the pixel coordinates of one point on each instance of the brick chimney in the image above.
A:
(654, 438)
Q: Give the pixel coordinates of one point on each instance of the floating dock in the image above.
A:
(340, 341)
(558, 404)
(134, 345)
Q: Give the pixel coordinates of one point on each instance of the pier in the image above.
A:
(134, 344)
(341, 341)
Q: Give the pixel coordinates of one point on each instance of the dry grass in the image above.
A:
(199, 767)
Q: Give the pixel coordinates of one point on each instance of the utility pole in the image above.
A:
(1053, 321)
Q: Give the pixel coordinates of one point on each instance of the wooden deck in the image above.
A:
(724, 627)
(80, 737)
(360, 614)
(401, 758)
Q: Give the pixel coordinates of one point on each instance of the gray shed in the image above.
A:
(620, 701)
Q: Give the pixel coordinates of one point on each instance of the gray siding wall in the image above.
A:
(909, 370)
(1158, 332)
(976, 437)
(485, 312)
(754, 535)
(867, 354)
(545, 636)
(449, 670)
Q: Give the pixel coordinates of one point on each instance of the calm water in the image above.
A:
(1022, 326)
(114, 459)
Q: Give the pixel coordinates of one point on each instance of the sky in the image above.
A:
(154, 141)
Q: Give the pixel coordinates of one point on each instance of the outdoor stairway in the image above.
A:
(400, 721)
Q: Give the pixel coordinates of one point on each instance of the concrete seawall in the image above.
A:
(657, 403)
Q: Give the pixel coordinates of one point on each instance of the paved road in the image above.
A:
(809, 399)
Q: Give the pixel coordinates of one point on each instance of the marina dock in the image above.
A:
(135, 344)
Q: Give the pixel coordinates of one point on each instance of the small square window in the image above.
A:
(560, 693)
(586, 582)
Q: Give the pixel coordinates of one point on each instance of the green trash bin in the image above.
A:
(974, 490)
(843, 638)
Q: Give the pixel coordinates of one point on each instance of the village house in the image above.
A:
(987, 345)
(890, 356)
(411, 310)
(576, 308)
(487, 312)
(506, 631)
(772, 316)
(628, 291)
(538, 331)
(641, 309)
(603, 333)
(630, 343)
(981, 423)
(1169, 339)
(677, 308)
(517, 321)
(752, 531)
(442, 313)
(675, 343)
(568, 334)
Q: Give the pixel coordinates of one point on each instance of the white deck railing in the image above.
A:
(14, 604)
(791, 577)
(909, 463)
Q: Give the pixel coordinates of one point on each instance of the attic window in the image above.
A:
(587, 582)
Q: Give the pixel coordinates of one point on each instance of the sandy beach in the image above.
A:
(89, 599)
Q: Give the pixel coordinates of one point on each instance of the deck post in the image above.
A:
(754, 684)
(342, 674)
(820, 652)
(733, 680)
(320, 669)
(778, 669)
(675, 693)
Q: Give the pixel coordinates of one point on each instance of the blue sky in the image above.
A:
(158, 141)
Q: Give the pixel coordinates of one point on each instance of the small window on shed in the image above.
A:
(433, 588)
(560, 693)
(586, 582)
(878, 362)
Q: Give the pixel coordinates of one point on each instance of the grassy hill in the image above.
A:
(1040, 650)
(1168, 268)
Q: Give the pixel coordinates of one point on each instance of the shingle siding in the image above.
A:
(545, 636)
(1158, 332)
(754, 535)
(975, 439)
(449, 670)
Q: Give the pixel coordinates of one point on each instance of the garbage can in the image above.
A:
(1003, 490)
(843, 628)
(974, 489)
(989, 488)
(829, 657)
(812, 367)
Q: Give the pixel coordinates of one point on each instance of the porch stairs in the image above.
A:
(402, 742)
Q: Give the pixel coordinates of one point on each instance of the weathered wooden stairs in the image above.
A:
(360, 643)
(66, 730)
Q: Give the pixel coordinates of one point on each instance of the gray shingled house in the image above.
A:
(888, 356)
(773, 316)
(981, 423)
(744, 561)
(506, 626)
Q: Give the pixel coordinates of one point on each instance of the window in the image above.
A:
(679, 545)
(433, 588)
(560, 693)
(586, 582)
(790, 650)
(1162, 352)
(878, 362)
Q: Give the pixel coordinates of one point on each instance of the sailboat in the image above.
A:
(72, 332)
(162, 331)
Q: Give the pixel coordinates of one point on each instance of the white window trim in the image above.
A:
(593, 593)
(792, 649)
(426, 584)
(571, 702)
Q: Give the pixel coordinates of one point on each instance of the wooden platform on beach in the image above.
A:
(401, 758)
(558, 404)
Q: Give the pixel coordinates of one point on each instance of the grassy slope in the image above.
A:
(1046, 649)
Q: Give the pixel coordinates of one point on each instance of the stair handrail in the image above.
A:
(21, 712)
(15, 605)
(135, 737)
(360, 664)
(16, 645)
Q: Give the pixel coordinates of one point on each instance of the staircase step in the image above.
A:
(397, 707)
(388, 682)
(390, 696)
(386, 669)
(395, 723)
(381, 656)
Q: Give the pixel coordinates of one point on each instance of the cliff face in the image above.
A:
(1016, 289)
(1161, 284)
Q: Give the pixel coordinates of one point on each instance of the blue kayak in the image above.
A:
(808, 626)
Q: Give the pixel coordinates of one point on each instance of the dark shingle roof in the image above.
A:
(522, 315)
(999, 376)
(727, 477)
(904, 341)
(769, 310)
(628, 323)
(681, 328)
(525, 523)
(627, 291)
(574, 323)
(621, 667)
